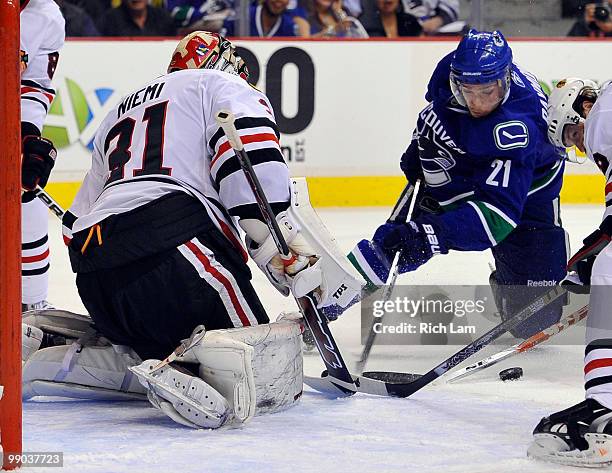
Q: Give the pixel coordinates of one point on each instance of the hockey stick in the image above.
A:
(406, 384)
(49, 202)
(317, 323)
(410, 191)
(522, 347)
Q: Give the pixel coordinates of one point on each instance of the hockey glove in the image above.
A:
(582, 261)
(575, 283)
(416, 242)
(38, 159)
(296, 274)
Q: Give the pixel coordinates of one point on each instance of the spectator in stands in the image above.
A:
(433, 14)
(136, 18)
(328, 19)
(352, 7)
(596, 20)
(271, 18)
(78, 22)
(94, 8)
(411, 18)
(391, 21)
(199, 15)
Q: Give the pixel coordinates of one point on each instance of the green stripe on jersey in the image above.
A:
(498, 226)
(370, 285)
(539, 184)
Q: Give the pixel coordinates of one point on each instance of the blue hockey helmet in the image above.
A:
(481, 57)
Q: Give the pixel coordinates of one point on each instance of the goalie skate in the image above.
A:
(578, 436)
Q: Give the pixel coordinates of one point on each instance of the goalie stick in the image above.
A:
(409, 192)
(406, 384)
(522, 347)
(317, 323)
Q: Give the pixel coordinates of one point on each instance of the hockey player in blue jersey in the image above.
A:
(481, 149)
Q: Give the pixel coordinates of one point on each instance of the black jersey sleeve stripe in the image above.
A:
(603, 343)
(597, 382)
(257, 156)
(34, 272)
(252, 210)
(34, 99)
(244, 123)
(31, 83)
(34, 244)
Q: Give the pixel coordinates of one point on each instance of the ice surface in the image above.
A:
(478, 425)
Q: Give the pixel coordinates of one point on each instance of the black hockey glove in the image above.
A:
(38, 159)
(582, 262)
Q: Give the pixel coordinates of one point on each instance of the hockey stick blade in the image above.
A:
(377, 383)
(384, 383)
(522, 347)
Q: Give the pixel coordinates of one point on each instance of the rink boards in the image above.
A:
(346, 110)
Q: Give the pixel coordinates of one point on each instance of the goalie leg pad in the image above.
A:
(58, 322)
(86, 370)
(243, 372)
(49, 327)
(184, 398)
(258, 369)
(31, 338)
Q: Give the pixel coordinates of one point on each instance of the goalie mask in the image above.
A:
(205, 50)
(566, 106)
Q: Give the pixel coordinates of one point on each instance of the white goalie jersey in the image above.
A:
(598, 141)
(164, 138)
(41, 37)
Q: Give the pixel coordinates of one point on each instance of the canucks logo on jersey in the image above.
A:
(436, 149)
(512, 134)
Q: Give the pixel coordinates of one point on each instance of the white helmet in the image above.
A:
(565, 105)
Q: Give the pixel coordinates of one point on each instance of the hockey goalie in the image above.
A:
(154, 237)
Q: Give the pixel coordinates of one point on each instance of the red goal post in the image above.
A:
(10, 231)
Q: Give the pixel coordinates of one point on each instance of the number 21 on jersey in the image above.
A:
(498, 165)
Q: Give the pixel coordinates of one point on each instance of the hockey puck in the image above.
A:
(510, 374)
